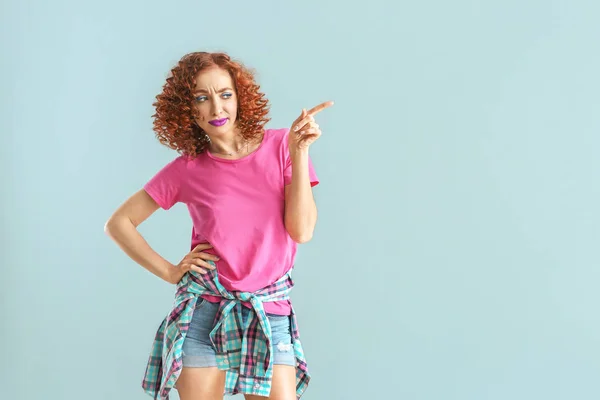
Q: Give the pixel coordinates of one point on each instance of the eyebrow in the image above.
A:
(205, 91)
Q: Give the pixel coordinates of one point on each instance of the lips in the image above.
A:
(218, 122)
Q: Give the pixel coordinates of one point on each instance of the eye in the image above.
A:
(200, 99)
(227, 95)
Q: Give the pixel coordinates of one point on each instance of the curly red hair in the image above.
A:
(174, 122)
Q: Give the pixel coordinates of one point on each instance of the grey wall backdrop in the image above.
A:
(456, 254)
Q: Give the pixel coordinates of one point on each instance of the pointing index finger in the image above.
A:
(320, 108)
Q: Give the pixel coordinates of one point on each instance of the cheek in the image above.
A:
(201, 112)
(232, 108)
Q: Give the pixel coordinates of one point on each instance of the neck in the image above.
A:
(227, 144)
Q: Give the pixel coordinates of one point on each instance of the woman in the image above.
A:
(249, 193)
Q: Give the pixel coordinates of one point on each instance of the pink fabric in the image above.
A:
(238, 207)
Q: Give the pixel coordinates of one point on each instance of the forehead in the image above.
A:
(213, 78)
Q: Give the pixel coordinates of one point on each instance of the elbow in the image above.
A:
(108, 227)
(299, 231)
(301, 237)
(111, 226)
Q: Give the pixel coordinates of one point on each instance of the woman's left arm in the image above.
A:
(300, 207)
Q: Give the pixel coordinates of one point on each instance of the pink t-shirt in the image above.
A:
(238, 207)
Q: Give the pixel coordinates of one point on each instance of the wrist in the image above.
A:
(298, 153)
(166, 272)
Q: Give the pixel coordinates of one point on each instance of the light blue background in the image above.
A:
(457, 250)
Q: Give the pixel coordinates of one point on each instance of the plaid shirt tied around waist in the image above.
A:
(243, 348)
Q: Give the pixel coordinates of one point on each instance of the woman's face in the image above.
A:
(215, 102)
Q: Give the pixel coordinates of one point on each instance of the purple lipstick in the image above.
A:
(218, 122)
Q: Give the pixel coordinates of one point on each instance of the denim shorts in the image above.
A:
(198, 350)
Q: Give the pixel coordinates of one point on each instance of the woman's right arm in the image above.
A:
(122, 228)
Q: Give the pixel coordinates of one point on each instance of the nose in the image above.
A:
(217, 107)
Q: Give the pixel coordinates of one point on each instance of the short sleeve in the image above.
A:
(166, 186)
(287, 171)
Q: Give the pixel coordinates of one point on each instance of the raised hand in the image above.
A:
(305, 131)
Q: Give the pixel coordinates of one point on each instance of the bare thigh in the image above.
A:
(201, 384)
(283, 386)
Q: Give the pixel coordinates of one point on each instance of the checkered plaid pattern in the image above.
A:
(244, 348)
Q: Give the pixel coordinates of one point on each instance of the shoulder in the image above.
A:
(179, 162)
(177, 166)
(277, 137)
(276, 133)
